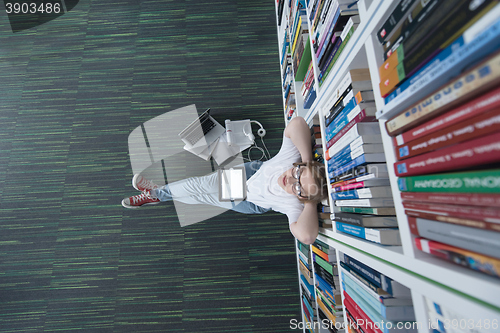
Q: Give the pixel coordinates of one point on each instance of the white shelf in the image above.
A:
(467, 292)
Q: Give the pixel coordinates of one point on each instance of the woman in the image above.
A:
(290, 183)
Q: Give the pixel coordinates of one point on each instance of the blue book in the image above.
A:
(380, 280)
(450, 61)
(396, 313)
(310, 98)
(329, 33)
(310, 288)
(360, 160)
(384, 236)
(332, 128)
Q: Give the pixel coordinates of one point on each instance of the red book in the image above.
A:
(486, 102)
(483, 150)
(469, 259)
(491, 214)
(352, 327)
(471, 199)
(455, 220)
(361, 318)
(486, 123)
(361, 117)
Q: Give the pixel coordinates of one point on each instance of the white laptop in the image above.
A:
(203, 132)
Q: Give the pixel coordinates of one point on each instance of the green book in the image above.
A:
(483, 181)
(326, 265)
(368, 210)
(304, 62)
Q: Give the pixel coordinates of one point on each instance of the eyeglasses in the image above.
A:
(296, 187)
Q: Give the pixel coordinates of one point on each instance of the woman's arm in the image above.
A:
(300, 134)
(306, 228)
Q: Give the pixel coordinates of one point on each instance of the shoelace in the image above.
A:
(147, 184)
(141, 197)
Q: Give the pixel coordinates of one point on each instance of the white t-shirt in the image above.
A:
(263, 188)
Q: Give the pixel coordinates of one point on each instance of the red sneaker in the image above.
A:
(142, 184)
(139, 200)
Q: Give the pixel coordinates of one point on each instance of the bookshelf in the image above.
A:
(467, 293)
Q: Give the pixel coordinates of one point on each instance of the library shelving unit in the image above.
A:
(471, 295)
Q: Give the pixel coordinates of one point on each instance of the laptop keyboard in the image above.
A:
(200, 131)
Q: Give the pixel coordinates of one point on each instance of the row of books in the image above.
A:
(327, 284)
(447, 148)
(355, 157)
(332, 23)
(421, 36)
(373, 302)
(308, 300)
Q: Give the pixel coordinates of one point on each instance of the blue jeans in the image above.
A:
(205, 190)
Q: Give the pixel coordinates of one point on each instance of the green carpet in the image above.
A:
(71, 91)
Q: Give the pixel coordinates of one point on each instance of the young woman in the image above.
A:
(290, 183)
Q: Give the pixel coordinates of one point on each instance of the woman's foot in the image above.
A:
(139, 200)
(142, 184)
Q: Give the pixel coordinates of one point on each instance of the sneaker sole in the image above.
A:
(133, 207)
(134, 181)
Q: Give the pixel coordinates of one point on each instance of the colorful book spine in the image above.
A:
(473, 82)
(473, 239)
(477, 213)
(477, 106)
(384, 236)
(481, 151)
(469, 259)
(481, 125)
(361, 117)
(467, 199)
(482, 181)
(363, 159)
(463, 221)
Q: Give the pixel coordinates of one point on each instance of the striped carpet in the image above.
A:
(71, 90)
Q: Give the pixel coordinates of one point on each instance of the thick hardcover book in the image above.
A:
(481, 151)
(469, 199)
(482, 181)
(463, 221)
(477, 213)
(367, 192)
(392, 308)
(481, 125)
(353, 184)
(471, 83)
(473, 239)
(477, 106)
(367, 221)
(456, 255)
(384, 236)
